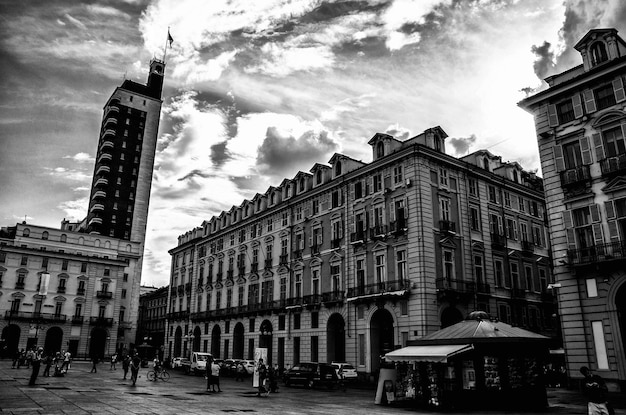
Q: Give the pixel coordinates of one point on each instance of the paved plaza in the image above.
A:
(105, 392)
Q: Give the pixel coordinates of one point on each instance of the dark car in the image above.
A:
(311, 375)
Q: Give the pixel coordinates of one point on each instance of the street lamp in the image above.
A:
(189, 338)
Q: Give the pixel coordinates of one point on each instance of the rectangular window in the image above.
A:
(315, 282)
(473, 188)
(592, 288)
(377, 182)
(358, 190)
(443, 177)
(124, 293)
(504, 313)
(58, 308)
(572, 155)
(285, 218)
(64, 265)
(511, 229)
(520, 203)
(381, 276)
(604, 96)
(315, 207)
(315, 320)
(336, 199)
(281, 322)
(296, 321)
(44, 263)
(493, 195)
(499, 272)
(3, 257)
(444, 212)
(401, 265)
(528, 274)
(514, 277)
(296, 350)
(507, 199)
(478, 269)
(543, 280)
(270, 225)
(565, 111)
(314, 348)
(297, 288)
(24, 260)
(397, 175)
(613, 142)
(335, 278)
(474, 218)
(78, 310)
(362, 350)
(448, 265)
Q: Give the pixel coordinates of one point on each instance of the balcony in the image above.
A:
(178, 315)
(613, 165)
(454, 290)
(101, 321)
(110, 122)
(298, 253)
(104, 157)
(60, 290)
(447, 226)
(398, 227)
(101, 181)
(575, 176)
(104, 294)
(108, 133)
(315, 249)
(378, 232)
(528, 247)
(313, 299)
(332, 297)
(19, 285)
(391, 288)
(241, 271)
(498, 241)
(34, 316)
(601, 253)
(254, 267)
(97, 207)
(229, 274)
(284, 258)
(181, 289)
(268, 263)
(188, 287)
(357, 237)
(483, 288)
(80, 291)
(335, 243)
(106, 144)
(77, 319)
(103, 170)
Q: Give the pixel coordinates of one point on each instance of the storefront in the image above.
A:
(476, 363)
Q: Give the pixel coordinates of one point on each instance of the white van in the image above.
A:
(197, 363)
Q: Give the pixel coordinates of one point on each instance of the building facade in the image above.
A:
(581, 129)
(64, 290)
(152, 315)
(354, 259)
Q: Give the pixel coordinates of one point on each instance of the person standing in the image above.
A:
(262, 370)
(94, 363)
(67, 357)
(215, 374)
(240, 371)
(16, 359)
(135, 364)
(125, 365)
(36, 363)
(48, 362)
(595, 390)
(113, 361)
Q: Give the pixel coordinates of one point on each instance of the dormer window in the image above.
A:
(302, 185)
(437, 143)
(273, 198)
(515, 176)
(380, 149)
(486, 163)
(598, 53)
(338, 169)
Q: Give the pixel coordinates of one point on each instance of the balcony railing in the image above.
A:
(101, 321)
(611, 165)
(357, 237)
(398, 227)
(498, 241)
(30, 315)
(378, 288)
(19, 285)
(178, 315)
(254, 267)
(455, 285)
(577, 175)
(77, 319)
(268, 263)
(597, 253)
(60, 290)
(80, 291)
(378, 231)
(483, 288)
(333, 296)
(315, 249)
(528, 246)
(335, 243)
(229, 274)
(104, 294)
(447, 226)
(312, 299)
(283, 259)
(188, 287)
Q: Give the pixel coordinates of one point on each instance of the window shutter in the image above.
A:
(568, 224)
(609, 208)
(597, 233)
(514, 204)
(595, 213)
(613, 231)
(590, 103)
(553, 120)
(387, 182)
(618, 90)
(597, 143)
(585, 150)
(578, 107)
(559, 161)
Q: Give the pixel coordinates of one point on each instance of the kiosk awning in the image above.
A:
(434, 353)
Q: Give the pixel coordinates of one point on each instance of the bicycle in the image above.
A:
(161, 374)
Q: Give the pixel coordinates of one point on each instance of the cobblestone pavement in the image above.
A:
(105, 392)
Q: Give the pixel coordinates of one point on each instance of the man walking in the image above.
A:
(595, 390)
(94, 363)
(36, 363)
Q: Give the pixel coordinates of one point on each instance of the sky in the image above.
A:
(256, 91)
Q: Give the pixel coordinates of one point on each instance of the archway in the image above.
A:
(450, 316)
(381, 337)
(54, 340)
(216, 339)
(11, 336)
(97, 342)
(197, 337)
(265, 339)
(238, 343)
(178, 342)
(336, 338)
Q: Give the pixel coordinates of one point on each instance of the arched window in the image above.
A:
(380, 149)
(486, 163)
(45, 235)
(64, 238)
(273, 198)
(26, 232)
(338, 169)
(598, 53)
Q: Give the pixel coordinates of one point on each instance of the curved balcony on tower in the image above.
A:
(103, 169)
(105, 158)
(108, 133)
(95, 221)
(106, 144)
(98, 194)
(112, 109)
(109, 122)
(101, 181)
(97, 207)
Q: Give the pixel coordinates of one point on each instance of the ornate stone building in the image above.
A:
(581, 129)
(352, 259)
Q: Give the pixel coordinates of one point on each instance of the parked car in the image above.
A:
(349, 371)
(197, 363)
(176, 362)
(311, 374)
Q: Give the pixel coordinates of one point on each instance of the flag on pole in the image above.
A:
(170, 38)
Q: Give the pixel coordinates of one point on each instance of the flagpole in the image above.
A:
(166, 42)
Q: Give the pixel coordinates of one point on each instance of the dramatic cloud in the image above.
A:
(544, 65)
(461, 145)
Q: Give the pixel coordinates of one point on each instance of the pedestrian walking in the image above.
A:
(135, 364)
(94, 364)
(67, 358)
(113, 361)
(48, 362)
(595, 390)
(125, 365)
(29, 357)
(16, 359)
(215, 374)
(36, 363)
(262, 370)
(272, 374)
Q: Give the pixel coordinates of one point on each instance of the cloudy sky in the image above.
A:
(257, 90)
